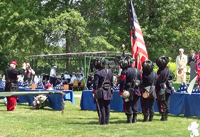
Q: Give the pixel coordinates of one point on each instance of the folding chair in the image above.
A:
(75, 85)
(81, 87)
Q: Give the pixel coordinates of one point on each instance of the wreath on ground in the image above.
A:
(40, 101)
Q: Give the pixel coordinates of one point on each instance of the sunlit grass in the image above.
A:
(75, 122)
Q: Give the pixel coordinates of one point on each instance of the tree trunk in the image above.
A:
(68, 50)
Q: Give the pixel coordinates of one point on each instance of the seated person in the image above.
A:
(67, 77)
(45, 78)
(79, 77)
(80, 70)
(72, 80)
(89, 80)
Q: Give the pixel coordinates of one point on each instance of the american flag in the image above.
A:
(139, 51)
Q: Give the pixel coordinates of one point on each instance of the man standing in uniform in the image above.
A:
(103, 78)
(130, 81)
(149, 78)
(163, 86)
(181, 63)
(12, 84)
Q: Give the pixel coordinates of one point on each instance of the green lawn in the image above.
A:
(78, 92)
(25, 122)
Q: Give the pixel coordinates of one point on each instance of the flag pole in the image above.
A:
(140, 60)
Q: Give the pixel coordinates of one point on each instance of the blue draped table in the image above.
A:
(180, 103)
(54, 99)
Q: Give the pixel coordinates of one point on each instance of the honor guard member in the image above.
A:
(149, 78)
(130, 89)
(102, 85)
(12, 83)
(163, 86)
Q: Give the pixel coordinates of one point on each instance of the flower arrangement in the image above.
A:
(194, 128)
(40, 101)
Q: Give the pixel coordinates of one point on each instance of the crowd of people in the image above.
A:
(64, 78)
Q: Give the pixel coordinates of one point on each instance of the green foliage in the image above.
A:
(155, 68)
(4, 62)
(172, 66)
(29, 27)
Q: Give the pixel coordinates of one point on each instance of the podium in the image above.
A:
(192, 71)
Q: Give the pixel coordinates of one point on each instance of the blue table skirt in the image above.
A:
(55, 100)
(180, 103)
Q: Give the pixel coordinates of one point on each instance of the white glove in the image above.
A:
(24, 66)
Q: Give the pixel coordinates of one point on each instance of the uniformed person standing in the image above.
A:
(12, 83)
(163, 86)
(103, 78)
(149, 78)
(130, 83)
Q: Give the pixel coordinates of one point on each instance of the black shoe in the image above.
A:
(145, 119)
(162, 117)
(151, 118)
(129, 118)
(134, 120)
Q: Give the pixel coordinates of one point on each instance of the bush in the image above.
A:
(172, 67)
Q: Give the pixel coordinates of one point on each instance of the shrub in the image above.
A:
(172, 67)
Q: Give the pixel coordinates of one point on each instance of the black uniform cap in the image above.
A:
(162, 61)
(147, 66)
(123, 63)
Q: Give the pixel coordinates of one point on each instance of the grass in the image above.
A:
(75, 122)
(78, 92)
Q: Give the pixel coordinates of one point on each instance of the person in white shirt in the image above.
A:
(53, 76)
(181, 63)
(73, 78)
(80, 77)
(66, 77)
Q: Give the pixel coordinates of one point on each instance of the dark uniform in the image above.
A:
(89, 81)
(103, 104)
(148, 103)
(131, 106)
(12, 85)
(191, 59)
(164, 76)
